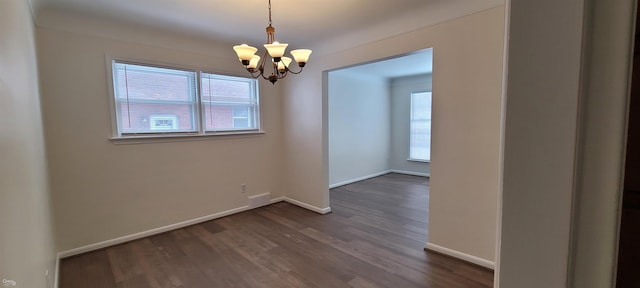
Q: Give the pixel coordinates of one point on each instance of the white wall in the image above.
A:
(369, 125)
(564, 151)
(467, 101)
(27, 245)
(604, 104)
(542, 96)
(103, 190)
(401, 89)
(359, 126)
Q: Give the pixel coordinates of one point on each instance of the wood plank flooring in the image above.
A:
(374, 238)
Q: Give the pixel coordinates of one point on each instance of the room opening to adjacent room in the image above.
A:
(379, 136)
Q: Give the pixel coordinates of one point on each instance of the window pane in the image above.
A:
(154, 100)
(420, 126)
(152, 83)
(229, 103)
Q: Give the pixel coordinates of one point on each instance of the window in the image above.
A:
(228, 103)
(152, 100)
(420, 127)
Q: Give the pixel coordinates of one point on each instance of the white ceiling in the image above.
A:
(420, 62)
(321, 25)
(314, 24)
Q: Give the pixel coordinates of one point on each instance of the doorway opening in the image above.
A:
(379, 136)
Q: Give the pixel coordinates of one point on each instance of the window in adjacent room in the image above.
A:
(163, 101)
(420, 127)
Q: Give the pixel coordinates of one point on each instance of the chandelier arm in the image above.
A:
(294, 72)
(255, 74)
(275, 69)
(283, 74)
(288, 69)
(263, 60)
(263, 76)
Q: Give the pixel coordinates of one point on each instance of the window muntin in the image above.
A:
(151, 100)
(420, 127)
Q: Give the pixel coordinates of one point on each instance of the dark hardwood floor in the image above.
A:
(374, 238)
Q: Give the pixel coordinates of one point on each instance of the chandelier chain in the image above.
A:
(269, 12)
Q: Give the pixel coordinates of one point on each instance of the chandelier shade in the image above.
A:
(245, 52)
(276, 50)
(301, 56)
(284, 63)
(255, 64)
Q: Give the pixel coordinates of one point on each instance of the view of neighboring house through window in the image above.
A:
(420, 127)
(152, 99)
(228, 103)
(162, 100)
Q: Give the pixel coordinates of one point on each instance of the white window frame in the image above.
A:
(198, 117)
(410, 158)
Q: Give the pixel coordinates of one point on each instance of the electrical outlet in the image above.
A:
(243, 188)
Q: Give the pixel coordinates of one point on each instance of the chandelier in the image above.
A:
(280, 63)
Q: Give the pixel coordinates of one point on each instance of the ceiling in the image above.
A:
(314, 24)
(419, 62)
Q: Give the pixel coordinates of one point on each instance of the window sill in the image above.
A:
(419, 160)
(165, 138)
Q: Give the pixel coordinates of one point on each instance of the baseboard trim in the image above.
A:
(279, 199)
(410, 173)
(135, 236)
(347, 182)
(462, 256)
(319, 210)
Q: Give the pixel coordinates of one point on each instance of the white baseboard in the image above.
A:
(148, 233)
(135, 236)
(463, 256)
(302, 204)
(347, 182)
(322, 211)
(410, 173)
